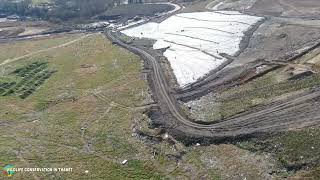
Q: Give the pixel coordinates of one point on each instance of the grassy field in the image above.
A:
(17, 49)
(83, 115)
(294, 150)
(44, 130)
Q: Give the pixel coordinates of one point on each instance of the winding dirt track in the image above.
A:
(297, 112)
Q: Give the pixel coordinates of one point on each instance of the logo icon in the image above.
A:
(8, 170)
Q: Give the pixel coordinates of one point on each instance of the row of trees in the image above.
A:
(80, 8)
(59, 9)
(15, 7)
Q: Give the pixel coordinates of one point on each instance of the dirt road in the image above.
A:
(300, 111)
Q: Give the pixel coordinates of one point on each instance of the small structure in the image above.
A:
(124, 162)
(13, 17)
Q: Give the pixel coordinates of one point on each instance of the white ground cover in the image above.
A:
(5, 19)
(195, 40)
(129, 23)
(216, 7)
(133, 23)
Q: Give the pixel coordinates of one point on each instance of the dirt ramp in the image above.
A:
(287, 8)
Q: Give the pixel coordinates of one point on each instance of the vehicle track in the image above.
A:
(7, 61)
(198, 49)
(275, 117)
(239, 22)
(192, 37)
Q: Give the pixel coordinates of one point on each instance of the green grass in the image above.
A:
(28, 79)
(44, 129)
(294, 150)
(298, 147)
(259, 91)
(15, 49)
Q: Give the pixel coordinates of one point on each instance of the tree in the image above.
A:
(15, 7)
(83, 8)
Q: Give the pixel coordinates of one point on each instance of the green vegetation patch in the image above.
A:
(77, 118)
(259, 91)
(28, 79)
(83, 117)
(298, 148)
(294, 150)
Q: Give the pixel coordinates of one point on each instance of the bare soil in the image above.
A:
(287, 8)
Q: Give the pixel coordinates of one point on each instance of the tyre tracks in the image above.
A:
(7, 61)
(300, 110)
